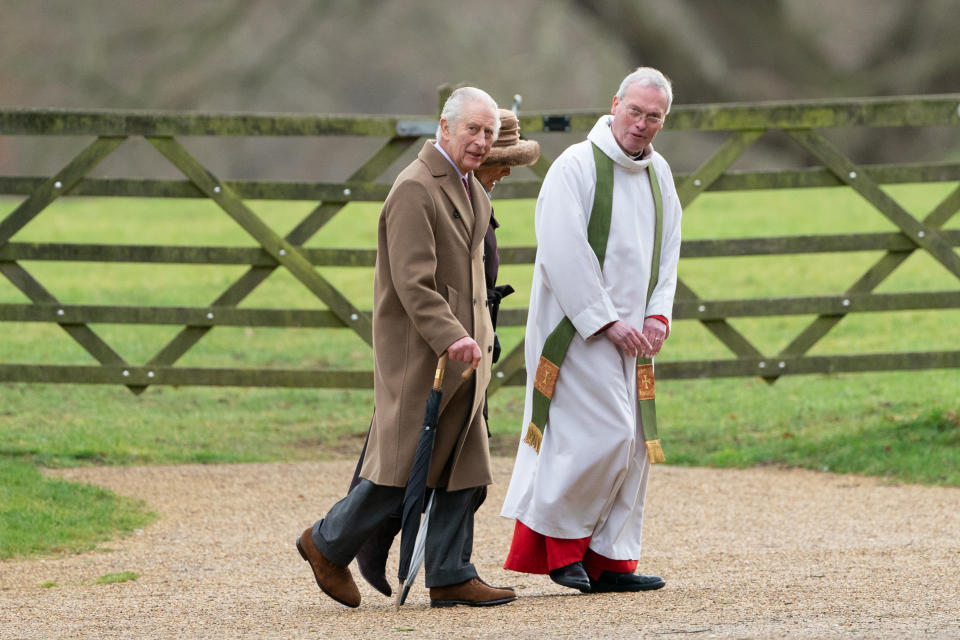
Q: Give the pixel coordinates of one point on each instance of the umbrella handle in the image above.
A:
(441, 366)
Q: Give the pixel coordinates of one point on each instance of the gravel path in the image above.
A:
(760, 553)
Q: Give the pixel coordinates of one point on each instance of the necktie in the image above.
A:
(466, 185)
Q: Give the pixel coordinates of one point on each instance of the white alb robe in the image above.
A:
(590, 476)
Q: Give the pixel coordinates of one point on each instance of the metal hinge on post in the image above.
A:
(556, 123)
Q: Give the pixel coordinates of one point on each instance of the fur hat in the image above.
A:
(509, 149)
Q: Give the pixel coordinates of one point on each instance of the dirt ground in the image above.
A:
(761, 553)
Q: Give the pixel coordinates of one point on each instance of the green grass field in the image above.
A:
(901, 425)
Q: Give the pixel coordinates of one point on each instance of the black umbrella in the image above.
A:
(416, 489)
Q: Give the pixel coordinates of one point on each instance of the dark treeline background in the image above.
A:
(381, 56)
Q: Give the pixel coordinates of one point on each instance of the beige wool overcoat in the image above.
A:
(429, 291)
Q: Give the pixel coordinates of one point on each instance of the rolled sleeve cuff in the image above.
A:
(593, 318)
(662, 319)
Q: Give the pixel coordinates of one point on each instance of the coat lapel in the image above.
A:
(481, 211)
(463, 210)
(449, 182)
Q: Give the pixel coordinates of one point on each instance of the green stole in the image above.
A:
(556, 345)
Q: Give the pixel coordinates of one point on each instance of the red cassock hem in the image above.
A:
(532, 552)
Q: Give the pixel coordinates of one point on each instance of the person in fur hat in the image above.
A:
(508, 151)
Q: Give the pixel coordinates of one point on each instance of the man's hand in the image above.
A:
(465, 349)
(655, 332)
(627, 338)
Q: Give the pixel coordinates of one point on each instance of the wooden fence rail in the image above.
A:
(744, 124)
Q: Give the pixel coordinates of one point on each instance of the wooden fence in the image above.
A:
(801, 122)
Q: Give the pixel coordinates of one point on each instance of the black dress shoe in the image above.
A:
(573, 576)
(610, 581)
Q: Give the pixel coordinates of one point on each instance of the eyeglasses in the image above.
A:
(652, 119)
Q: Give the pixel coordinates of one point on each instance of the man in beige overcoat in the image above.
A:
(429, 297)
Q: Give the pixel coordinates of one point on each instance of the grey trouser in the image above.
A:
(449, 543)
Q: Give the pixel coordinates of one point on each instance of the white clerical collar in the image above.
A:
(602, 136)
(452, 163)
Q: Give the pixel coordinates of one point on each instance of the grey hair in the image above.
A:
(648, 77)
(453, 107)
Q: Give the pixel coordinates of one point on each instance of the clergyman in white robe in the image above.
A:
(589, 480)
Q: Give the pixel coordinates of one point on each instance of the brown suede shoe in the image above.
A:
(333, 580)
(474, 592)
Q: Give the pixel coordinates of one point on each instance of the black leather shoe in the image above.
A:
(573, 576)
(610, 581)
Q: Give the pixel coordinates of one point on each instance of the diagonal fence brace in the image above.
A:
(887, 264)
(59, 184)
(256, 275)
(698, 182)
(871, 278)
(707, 173)
(84, 335)
(284, 252)
(922, 235)
(30, 208)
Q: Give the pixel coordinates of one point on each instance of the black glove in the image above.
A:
(494, 296)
